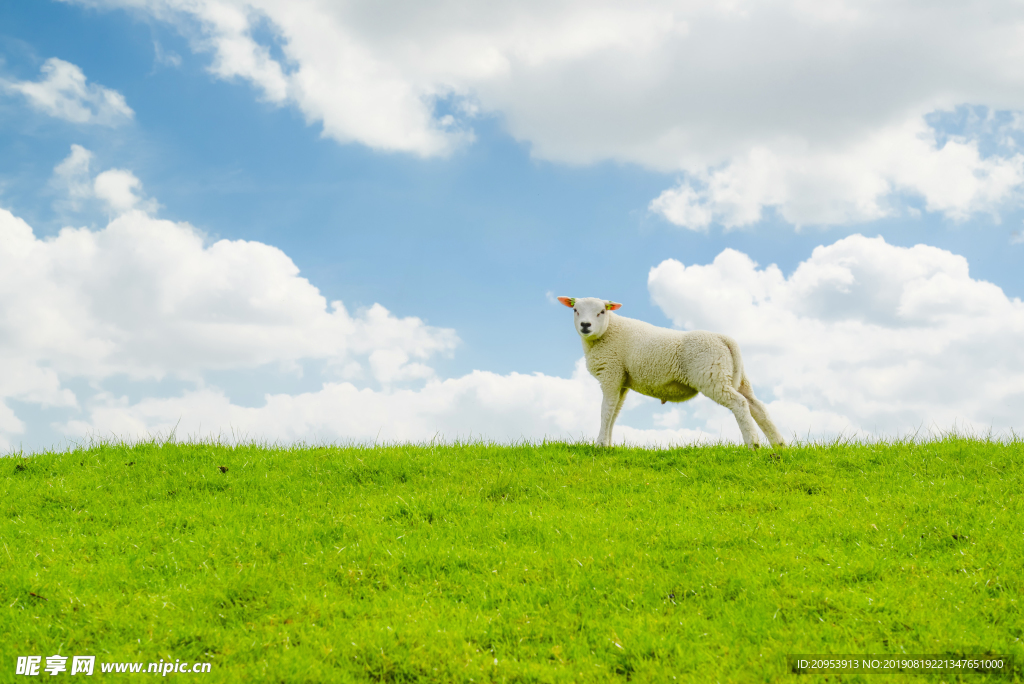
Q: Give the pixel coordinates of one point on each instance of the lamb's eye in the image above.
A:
(600, 312)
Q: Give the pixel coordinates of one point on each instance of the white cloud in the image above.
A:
(863, 337)
(480, 405)
(146, 299)
(815, 109)
(856, 183)
(72, 176)
(117, 190)
(64, 93)
(670, 418)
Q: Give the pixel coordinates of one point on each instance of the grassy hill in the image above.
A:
(529, 563)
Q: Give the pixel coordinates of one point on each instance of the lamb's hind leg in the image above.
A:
(734, 401)
(760, 414)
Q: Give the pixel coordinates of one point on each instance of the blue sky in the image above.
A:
(596, 150)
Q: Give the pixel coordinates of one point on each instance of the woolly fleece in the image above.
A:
(672, 365)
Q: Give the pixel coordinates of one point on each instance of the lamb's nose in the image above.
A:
(584, 326)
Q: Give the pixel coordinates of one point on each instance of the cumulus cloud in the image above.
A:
(119, 189)
(145, 298)
(862, 337)
(798, 106)
(116, 190)
(479, 405)
(855, 183)
(63, 92)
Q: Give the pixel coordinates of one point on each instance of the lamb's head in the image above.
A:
(590, 314)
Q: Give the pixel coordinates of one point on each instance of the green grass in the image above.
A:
(529, 563)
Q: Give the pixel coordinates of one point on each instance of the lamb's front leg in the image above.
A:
(611, 403)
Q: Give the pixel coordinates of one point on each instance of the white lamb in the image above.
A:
(625, 354)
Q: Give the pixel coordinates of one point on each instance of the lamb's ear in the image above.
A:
(568, 301)
(612, 306)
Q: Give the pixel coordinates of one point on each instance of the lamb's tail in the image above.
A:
(737, 361)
